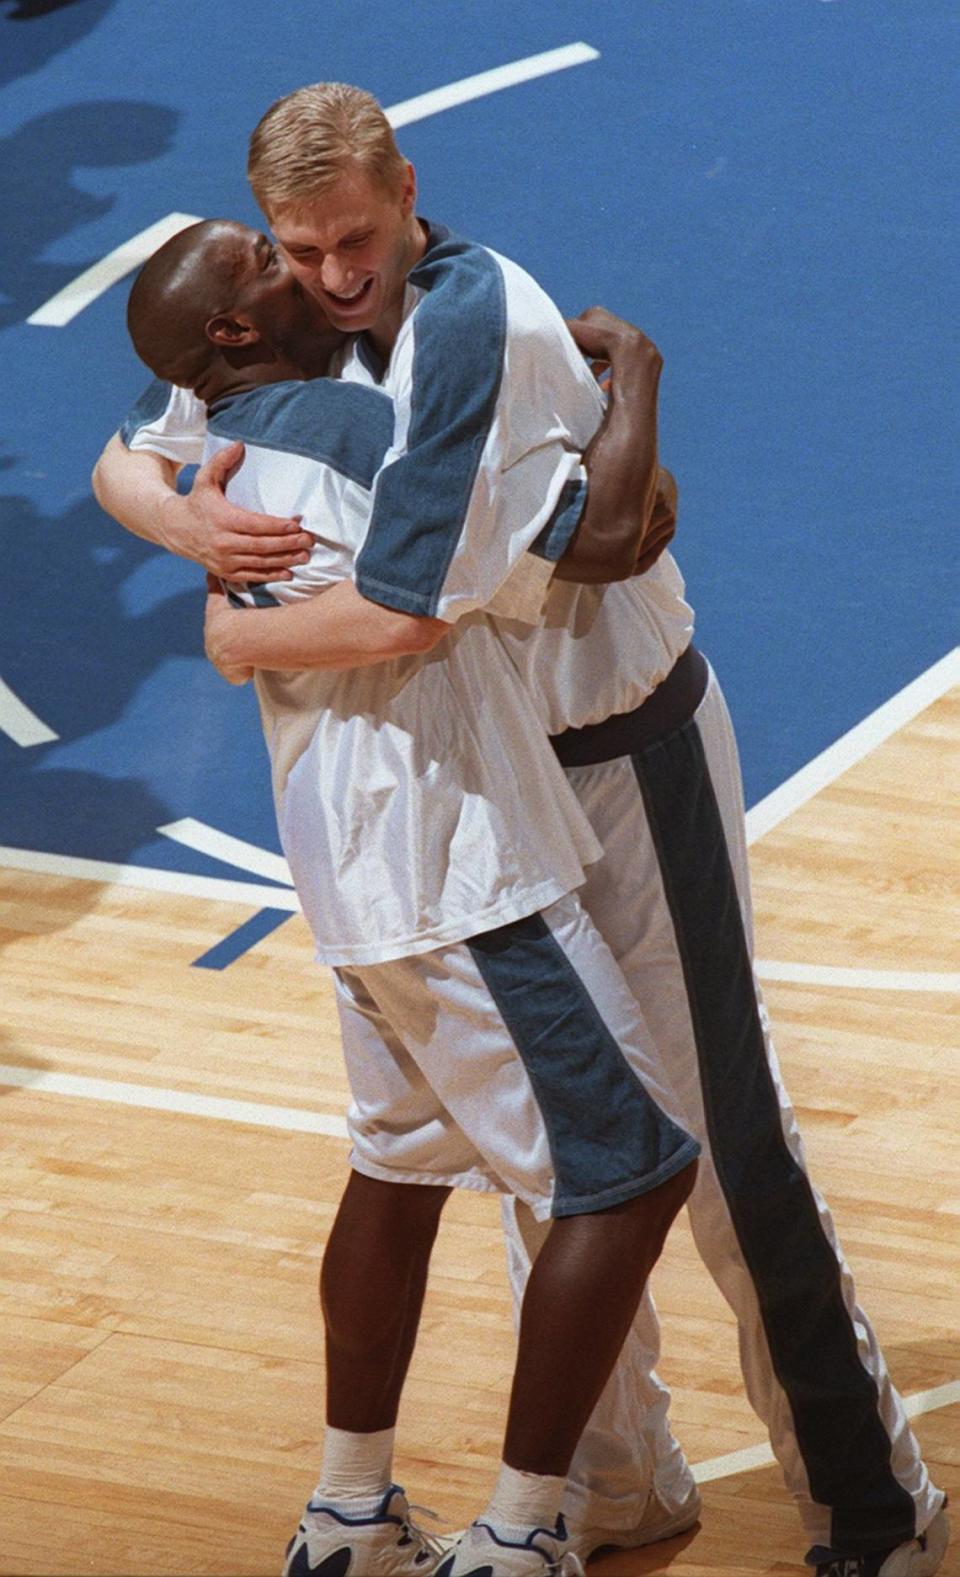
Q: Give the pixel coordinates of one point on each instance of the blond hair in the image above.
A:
(306, 141)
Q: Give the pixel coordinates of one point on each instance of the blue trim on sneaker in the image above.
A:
(486, 1570)
(335, 1565)
(559, 1532)
(380, 1515)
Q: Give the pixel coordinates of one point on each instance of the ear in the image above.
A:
(225, 330)
(408, 191)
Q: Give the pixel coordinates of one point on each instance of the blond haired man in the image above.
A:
(467, 348)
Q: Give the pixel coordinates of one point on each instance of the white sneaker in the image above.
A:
(921, 1557)
(656, 1523)
(485, 1551)
(382, 1541)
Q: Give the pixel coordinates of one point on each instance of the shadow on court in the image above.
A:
(74, 653)
(102, 642)
(37, 187)
(33, 32)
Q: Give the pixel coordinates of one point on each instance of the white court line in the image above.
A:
(292, 1120)
(218, 889)
(289, 1118)
(94, 281)
(245, 856)
(761, 1456)
(79, 293)
(19, 723)
(857, 979)
(484, 82)
(901, 709)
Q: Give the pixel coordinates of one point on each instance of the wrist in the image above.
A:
(170, 524)
(636, 375)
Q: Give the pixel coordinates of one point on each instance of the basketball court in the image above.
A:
(763, 188)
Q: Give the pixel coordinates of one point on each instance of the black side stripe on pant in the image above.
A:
(834, 1401)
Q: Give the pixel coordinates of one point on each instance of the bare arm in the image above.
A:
(337, 629)
(138, 488)
(630, 513)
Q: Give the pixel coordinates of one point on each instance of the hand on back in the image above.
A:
(231, 542)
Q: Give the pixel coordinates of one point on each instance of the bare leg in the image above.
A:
(372, 1284)
(582, 1295)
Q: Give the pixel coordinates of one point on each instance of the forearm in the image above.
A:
(137, 489)
(338, 629)
(622, 480)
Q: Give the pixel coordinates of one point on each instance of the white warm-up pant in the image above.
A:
(671, 899)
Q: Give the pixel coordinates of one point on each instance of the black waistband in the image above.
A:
(667, 708)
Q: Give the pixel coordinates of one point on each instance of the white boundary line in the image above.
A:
(182, 885)
(94, 281)
(484, 82)
(150, 1096)
(245, 856)
(291, 1120)
(856, 979)
(824, 769)
(752, 1457)
(19, 723)
(902, 708)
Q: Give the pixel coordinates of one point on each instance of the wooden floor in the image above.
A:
(160, 1364)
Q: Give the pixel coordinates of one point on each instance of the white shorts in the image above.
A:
(516, 1061)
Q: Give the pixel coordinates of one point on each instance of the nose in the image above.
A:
(335, 276)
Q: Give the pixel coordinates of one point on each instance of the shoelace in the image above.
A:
(433, 1545)
(568, 1565)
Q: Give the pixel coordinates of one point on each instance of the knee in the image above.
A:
(665, 1203)
(649, 1216)
(680, 1187)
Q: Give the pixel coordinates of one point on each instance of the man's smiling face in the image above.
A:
(351, 248)
(293, 322)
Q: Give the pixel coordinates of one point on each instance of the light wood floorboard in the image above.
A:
(160, 1365)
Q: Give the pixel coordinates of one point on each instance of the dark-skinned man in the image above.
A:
(489, 1036)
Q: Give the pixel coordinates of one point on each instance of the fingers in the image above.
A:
(589, 338)
(268, 548)
(223, 516)
(602, 336)
(245, 567)
(220, 467)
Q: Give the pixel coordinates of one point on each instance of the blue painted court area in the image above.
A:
(762, 185)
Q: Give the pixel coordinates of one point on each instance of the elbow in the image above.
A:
(97, 482)
(423, 634)
(412, 633)
(100, 476)
(598, 569)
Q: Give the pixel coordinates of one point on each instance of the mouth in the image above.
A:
(350, 301)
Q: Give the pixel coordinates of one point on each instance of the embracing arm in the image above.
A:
(630, 513)
(337, 629)
(138, 488)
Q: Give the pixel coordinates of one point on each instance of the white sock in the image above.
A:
(355, 1467)
(525, 1500)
